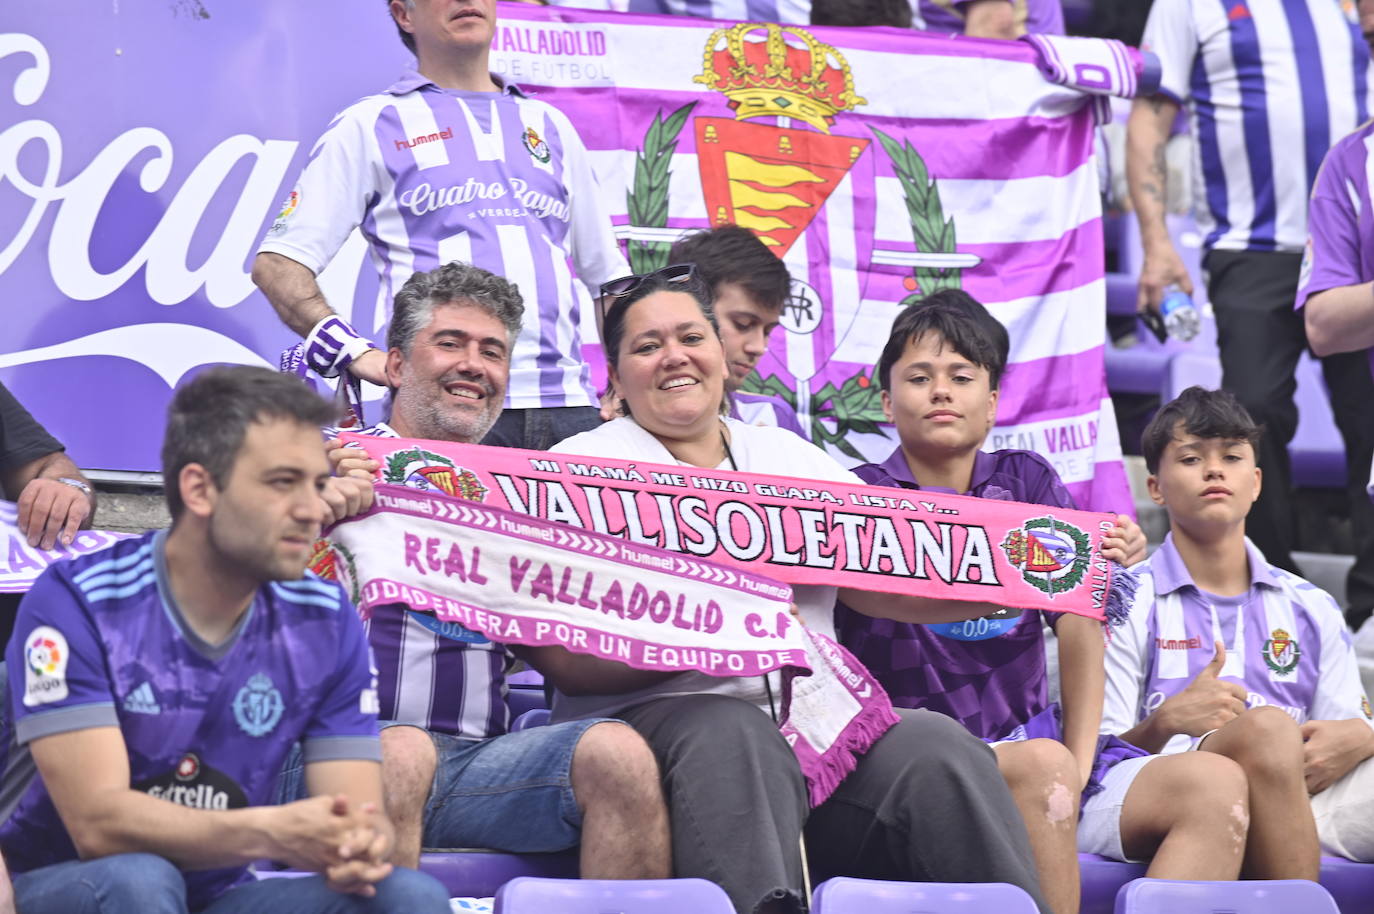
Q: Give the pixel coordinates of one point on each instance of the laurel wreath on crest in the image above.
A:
(397, 462)
(1081, 549)
(854, 406)
(647, 201)
(931, 231)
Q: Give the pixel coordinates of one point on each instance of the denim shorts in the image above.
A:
(510, 793)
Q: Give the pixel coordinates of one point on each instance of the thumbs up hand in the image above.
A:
(1207, 703)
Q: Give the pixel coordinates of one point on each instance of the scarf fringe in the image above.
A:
(1120, 595)
(840, 758)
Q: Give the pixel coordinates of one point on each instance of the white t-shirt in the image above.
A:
(756, 449)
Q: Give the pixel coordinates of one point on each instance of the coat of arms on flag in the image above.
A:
(773, 167)
(1052, 555)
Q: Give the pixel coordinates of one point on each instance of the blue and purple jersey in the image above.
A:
(495, 179)
(987, 673)
(100, 642)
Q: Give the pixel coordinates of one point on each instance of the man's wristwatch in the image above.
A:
(76, 484)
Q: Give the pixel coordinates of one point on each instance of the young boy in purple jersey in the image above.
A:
(156, 687)
(940, 373)
(1227, 654)
(749, 287)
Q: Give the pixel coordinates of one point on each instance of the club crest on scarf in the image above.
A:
(428, 471)
(1051, 554)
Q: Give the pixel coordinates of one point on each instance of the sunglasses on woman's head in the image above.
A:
(618, 288)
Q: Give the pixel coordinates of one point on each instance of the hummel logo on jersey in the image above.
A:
(142, 701)
(445, 134)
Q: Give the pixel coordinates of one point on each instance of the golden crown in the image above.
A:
(764, 74)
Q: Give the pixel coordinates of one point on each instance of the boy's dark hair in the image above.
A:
(1204, 413)
(209, 416)
(961, 321)
(406, 38)
(861, 12)
(732, 253)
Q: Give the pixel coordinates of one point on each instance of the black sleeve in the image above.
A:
(22, 439)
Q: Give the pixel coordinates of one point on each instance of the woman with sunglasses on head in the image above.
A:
(925, 802)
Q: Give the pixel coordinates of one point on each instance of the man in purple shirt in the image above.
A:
(1224, 653)
(1336, 296)
(454, 775)
(156, 687)
(451, 164)
(749, 288)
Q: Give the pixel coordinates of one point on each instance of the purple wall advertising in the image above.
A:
(143, 150)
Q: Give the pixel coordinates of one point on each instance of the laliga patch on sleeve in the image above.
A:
(45, 666)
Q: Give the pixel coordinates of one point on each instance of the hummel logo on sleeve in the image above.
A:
(142, 701)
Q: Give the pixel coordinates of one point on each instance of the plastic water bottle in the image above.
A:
(1180, 316)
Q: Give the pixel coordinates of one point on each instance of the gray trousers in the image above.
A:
(925, 804)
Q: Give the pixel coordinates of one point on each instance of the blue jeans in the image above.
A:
(148, 884)
(541, 429)
(510, 793)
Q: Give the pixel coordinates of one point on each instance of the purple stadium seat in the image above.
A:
(1121, 293)
(1350, 884)
(1101, 878)
(480, 874)
(535, 717)
(843, 895)
(526, 679)
(1317, 449)
(522, 700)
(528, 895)
(1278, 896)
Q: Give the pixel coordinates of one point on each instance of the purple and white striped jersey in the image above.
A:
(761, 409)
(496, 179)
(1271, 85)
(437, 675)
(1286, 643)
(100, 642)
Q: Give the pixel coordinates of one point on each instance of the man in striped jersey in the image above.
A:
(1270, 85)
(452, 773)
(156, 687)
(1224, 653)
(451, 163)
(1336, 296)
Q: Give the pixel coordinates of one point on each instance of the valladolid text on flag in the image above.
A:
(797, 531)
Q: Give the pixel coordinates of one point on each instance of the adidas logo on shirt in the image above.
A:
(142, 701)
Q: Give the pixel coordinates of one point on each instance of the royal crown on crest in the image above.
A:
(767, 69)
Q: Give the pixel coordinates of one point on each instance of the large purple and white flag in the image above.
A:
(144, 149)
(879, 165)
